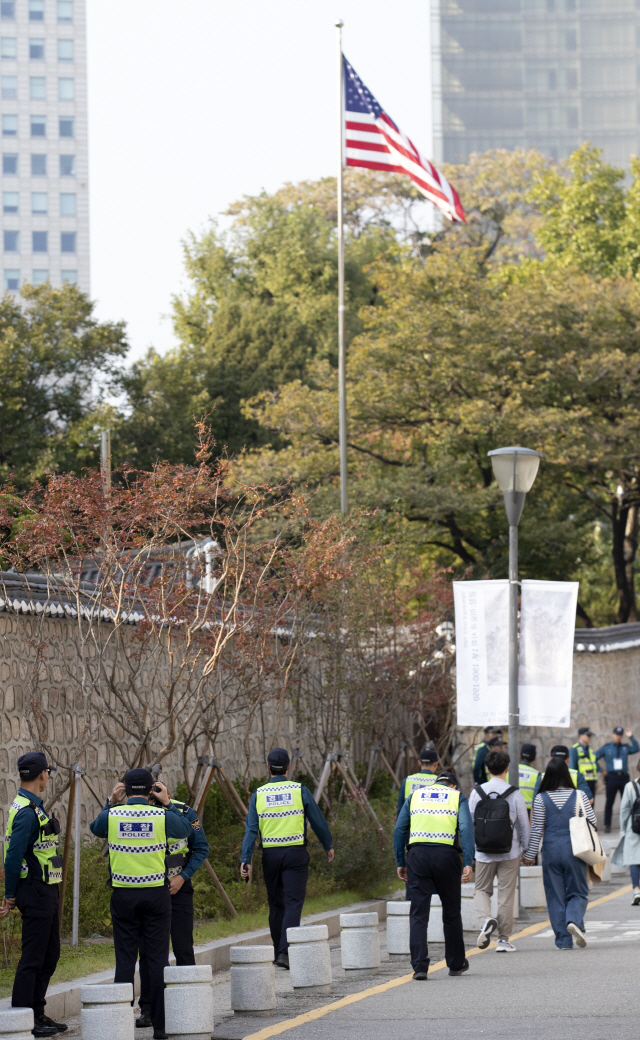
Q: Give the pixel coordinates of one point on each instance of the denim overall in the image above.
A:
(563, 874)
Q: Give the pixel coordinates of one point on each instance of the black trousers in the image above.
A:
(285, 874)
(615, 782)
(38, 904)
(435, 869)
(181, 940)
(141, 917)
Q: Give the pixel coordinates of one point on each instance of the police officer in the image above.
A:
(33, 872)
(279, 811)
(429, 769)
(616, 768)
(560, 751)
(583, 758)
(138, 834)
(430, 822)
(492, 739)
(527, 775)
(184, 857)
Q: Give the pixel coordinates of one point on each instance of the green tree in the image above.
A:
(51, 351)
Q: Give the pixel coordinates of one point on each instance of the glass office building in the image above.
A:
(545, 74)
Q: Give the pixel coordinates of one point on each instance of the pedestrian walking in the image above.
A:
(616, 768)
(583, 758)
(492, 738)
(138, 835)
(184, 857)
(563, 874)
(278, 812)
(429, 769)
(577, 779)
(528, 775)
(501, 837)
(32, 875)
(435, 822)
(627, 853)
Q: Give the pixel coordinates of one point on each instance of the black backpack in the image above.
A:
(635, 811)
(492, 822)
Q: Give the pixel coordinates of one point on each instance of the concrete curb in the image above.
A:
(63, 1000)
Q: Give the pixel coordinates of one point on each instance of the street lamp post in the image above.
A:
(515, 471)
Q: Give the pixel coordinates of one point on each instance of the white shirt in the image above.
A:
(518, 814)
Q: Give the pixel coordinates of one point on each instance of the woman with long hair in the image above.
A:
(627, 853)
(563, 874)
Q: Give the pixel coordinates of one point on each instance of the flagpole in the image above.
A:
(342, 394)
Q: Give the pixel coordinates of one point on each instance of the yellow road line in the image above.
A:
(353, 998)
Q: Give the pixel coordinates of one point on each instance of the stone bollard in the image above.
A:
(360, 941)
(398, 930)
(469, 915)
(188, 1002)
(309, 958)
(107, 1013)
(16, 1024)
(253, 982)
(532, 887)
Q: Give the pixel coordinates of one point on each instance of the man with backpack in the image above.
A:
(501, 826)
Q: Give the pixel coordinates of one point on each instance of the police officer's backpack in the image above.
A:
(492, 822)
(635, 811)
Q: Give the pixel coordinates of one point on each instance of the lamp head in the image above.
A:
(515, 469)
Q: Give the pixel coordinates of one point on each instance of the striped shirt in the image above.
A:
(538, 815)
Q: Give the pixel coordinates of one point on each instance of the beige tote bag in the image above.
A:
(585, 841)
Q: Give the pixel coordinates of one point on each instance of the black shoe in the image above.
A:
(158, 1034)
(40, 1029)
(282, 961)
(143, 1021)
(465, 967)
(607, 830)
(44, 1020)
(420, 976)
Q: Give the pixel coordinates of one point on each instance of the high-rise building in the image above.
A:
(545, 74)
(43, 115)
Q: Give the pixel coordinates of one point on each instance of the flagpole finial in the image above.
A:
(339, 25)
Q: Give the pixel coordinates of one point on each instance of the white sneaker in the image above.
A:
(636, 897)
(504, 946)
(486, 932)
(577, 934)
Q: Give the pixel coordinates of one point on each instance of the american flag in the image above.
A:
(373, 141)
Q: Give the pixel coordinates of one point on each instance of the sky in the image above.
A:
(195, 103)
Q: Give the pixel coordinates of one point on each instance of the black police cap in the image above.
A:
(559, 751)
(278, 759)
(138, 780)
(618, 730)
(447, 778)
(528, 751)
(585, 729)
(32, 764)
(428, 755)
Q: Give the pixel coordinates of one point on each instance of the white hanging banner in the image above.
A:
(482, 652)
(547, 627)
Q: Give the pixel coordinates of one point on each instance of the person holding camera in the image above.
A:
(138, 834)
(32, 873)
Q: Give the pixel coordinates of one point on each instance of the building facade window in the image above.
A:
(38, 126)
(66, 125)
(36, 10)
(39, 202)
(10, 200)
(38, 166)
(9, 164)
(65, 50)
(69, 277)
(36, 50)
(8, 47)
(8, 11)
(67, 241)
(11, 241)
(67, 165)
(66, 88)
(11, 279)
(67, 204)
(9, 126)
(9, 88)
(37, 88)
(40, 241)
(65, 10)
(39, 276)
